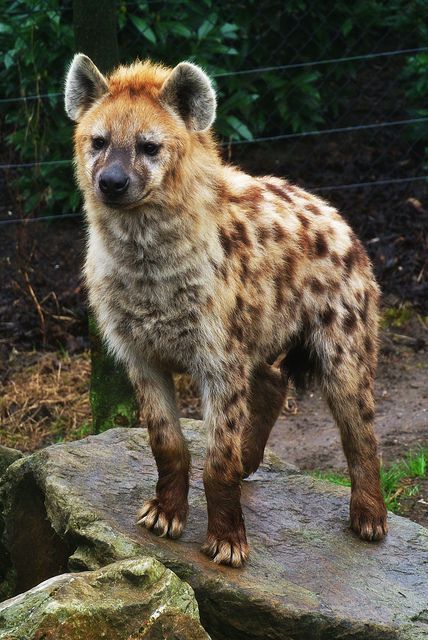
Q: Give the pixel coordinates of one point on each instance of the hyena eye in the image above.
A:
(98, 143)
(149, 148)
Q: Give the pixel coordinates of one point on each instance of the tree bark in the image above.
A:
(113, 401)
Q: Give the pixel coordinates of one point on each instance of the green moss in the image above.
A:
(396, 317)
(113, 400)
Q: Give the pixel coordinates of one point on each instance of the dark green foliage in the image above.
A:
(225, 38)
(37, 40)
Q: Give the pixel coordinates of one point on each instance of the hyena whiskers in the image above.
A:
(193, 265)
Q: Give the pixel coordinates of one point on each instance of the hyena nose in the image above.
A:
(113, 181)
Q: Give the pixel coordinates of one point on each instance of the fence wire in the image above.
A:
(352, 120)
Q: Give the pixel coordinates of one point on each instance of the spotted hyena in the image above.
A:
(195, 266)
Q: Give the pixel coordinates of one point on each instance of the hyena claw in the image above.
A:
(154, 518)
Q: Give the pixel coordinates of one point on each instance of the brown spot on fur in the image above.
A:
(234, 398)
(355, 256)
(214, 265)
(350, 321)
(231, 424)
(133, 92)
(240, 233)
(328, 316)
(305, 241)
(365, 308)
(239, 303)
(368, 343)
(339, 355)
(237, 331)
(303, 219)
(278, 232)
(313, 209)
(290, 262)
(225, 241)
(321, 246)
(224, 271)
(279, 292)
(316, 285)
(249, 199)
(263, 235)
(278, 191)
(245, 272)
(335, 259)
(366, 412)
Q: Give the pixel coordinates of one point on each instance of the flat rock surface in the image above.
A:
(127, 600)
(308, 576)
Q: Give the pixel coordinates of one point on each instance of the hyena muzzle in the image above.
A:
(195, 266)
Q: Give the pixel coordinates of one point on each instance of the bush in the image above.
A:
(224, 38)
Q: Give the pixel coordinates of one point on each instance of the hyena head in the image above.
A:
(135, 127)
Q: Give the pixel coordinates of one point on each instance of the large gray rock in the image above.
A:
(8, 457)
(309, 577)
(128, 600)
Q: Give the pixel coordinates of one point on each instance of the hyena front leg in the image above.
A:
(349, 392)
(165, 514)
(268, 389)
(226, 416)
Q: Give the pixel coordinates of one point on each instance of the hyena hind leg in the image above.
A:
(268, 389)
(348, 388)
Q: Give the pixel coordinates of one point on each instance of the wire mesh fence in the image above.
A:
(330, 95)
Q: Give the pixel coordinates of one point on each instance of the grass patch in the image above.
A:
(45, 399)
(331, 476)
(398, 480)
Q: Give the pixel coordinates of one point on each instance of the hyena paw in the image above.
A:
(163, 522)
(232, 550)
(369, 522)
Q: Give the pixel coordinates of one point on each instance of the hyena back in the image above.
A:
(195, 266)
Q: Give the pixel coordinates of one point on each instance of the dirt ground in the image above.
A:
(310, 439)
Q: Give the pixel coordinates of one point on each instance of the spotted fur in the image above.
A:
(199, 267)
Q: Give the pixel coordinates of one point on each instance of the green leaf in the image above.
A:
(228, 30)
(8, 59)
(347, 26)
(207, 26)
(239, 127)
(181, 30)
(144, 28)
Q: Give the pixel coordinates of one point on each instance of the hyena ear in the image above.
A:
(83, 85)
(189, 91)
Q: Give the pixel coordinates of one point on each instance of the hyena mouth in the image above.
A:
(125, 204)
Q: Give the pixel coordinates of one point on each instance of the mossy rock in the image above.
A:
(73, 507)
(127, 600)
(8, 457)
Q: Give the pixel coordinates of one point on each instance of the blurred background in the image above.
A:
(331, 95)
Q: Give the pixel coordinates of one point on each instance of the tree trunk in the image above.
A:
(113, 401)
